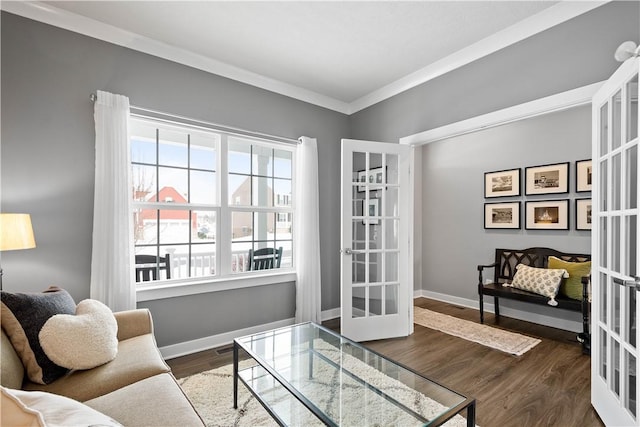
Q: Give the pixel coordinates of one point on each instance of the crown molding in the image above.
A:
(99, 30)
(548, 18)
(544, 20)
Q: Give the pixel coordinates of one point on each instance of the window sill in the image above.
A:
(184, 288)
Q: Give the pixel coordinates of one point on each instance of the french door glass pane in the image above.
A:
(604, 179)
(632, 109)
(603, 242)
(631, 316)
(616, 238)
(630, 383)
(616, 180)
(358, 301)
(631, 199)
(604, 130)
(358, 268)
(603, 354)
(375, 267)
(615, 365)
(392, 169)
(375, 300)
(603, 298)
(615, 310)
(358, 234)
(391, 299)
(631, 245)
(617, 120)
(391, 273)
(391, 233)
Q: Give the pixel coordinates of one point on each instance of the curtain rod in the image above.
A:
(229, 129)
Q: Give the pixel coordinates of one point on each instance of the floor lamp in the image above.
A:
(16, 233)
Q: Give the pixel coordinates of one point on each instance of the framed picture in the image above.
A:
(583, 214)
(502, 215)
(502, 183)
(547, 215)
(584, 174)
(547, 179)
(371, 210)
(374, 177)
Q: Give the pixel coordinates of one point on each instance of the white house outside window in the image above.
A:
(203, 198)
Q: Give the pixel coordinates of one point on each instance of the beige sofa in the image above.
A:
(137, 388)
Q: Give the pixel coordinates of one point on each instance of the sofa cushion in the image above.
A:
(22, 318)
(52, 410)
(84, 340)
(138, 358)
(134, 406)
(16, 413)
(11, 369)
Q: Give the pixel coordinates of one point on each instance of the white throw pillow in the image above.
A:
(543, 281)
(84, 340)
(52, 410)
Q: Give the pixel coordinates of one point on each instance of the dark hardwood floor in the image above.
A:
(547, 386)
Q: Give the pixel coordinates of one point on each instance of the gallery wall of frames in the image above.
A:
(545, 205)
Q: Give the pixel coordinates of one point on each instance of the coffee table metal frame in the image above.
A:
(467, 403)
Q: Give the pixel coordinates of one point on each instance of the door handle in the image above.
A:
(349, 251)
(633, 283)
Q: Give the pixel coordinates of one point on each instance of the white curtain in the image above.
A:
(307, 233)
(112, 278)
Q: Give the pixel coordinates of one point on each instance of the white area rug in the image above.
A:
(211, 392)
(509, 342)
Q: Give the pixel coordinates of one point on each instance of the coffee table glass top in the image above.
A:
(341, 382)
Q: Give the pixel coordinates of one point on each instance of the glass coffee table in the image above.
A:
(306, 374)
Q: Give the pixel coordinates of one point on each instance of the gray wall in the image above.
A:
(48, 163)
(571, 55)
(454, 239)
(47, 146)
(574, 54)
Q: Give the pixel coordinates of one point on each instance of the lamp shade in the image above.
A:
(16, 232)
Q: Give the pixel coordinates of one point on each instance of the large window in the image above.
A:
(205, 200)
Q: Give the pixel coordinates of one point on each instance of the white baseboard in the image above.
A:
(213, 341)
(554, 322)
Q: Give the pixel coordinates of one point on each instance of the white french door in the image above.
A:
(615, 305)
(376, 280)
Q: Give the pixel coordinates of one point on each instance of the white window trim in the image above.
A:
(184, 288)
(155, 290)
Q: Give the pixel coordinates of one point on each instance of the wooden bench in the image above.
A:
(504, 267)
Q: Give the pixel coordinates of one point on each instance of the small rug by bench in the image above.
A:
(509, 342)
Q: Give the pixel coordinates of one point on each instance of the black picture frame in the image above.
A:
(547, 179)
(583, 214)
(503, 183)
(547, 214)
(502, 216)
(584, 176)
